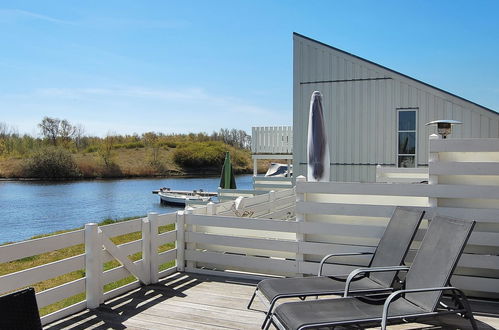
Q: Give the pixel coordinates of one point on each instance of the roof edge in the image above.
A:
(394, 71)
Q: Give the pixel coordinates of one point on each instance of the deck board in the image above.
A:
(192, 301)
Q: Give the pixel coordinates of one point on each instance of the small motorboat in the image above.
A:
(279, 170)
(180, 197)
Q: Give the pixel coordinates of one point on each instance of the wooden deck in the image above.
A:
(189, 301)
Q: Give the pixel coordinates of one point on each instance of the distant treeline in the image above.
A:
(62, 150)
(57, 132)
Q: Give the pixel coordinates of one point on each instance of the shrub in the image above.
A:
(51, 163)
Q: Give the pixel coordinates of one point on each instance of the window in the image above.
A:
(406, 151)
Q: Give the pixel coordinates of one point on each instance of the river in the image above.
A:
(29, 208)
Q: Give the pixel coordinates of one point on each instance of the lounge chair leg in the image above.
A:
(268, 315)
(469, 313)
(251, 300)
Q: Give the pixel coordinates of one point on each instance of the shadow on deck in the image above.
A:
(191, 301)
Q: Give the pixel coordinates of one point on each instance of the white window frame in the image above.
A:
(415, 110)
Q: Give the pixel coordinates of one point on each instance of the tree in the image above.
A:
(66, 132)
(50, 129)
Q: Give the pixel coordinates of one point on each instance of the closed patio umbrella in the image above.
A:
(227, 178)
(317, 146)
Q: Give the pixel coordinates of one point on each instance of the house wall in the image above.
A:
(360, 108)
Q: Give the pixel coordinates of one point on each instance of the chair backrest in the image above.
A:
(395, 242)
(19, 310)
(436, 259)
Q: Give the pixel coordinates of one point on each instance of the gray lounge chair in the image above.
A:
(391, 251)
(425, 282)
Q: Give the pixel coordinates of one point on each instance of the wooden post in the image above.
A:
(255, 166)
(300, 217)
(93, 265)
(146, 252)
(432, 179)
(180, 241)
(154, 257)
(190, 228)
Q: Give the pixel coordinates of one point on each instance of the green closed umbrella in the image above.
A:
(227, 179)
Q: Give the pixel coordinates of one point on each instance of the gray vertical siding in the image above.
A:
(361, 115)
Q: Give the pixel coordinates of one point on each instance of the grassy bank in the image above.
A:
(44, 258)
(141, 161)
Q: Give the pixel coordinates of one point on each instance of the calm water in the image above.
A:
(32, 208)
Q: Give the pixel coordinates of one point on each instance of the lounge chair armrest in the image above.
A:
(396, 294)
(370, 270)
(341, 254)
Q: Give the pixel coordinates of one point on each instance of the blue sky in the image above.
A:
(192, 66)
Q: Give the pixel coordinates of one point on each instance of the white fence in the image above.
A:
(401, 174)
(339, 217)
(154, 261)
(272, 140)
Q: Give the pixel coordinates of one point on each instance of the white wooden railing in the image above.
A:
(387, 174)
(272, 140)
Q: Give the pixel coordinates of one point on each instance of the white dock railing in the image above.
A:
(268, 183)
(272, 140)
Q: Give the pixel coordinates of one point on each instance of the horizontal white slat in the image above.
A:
(37, 246)
(167, 256)
(167, 237)
(61, 313)
(121, 228)
(476, 283)
(41, 273)
(121, 290)
(60, 292)
(402, 170)
(232, 260)
(464, 168)
(285, 193)
(322, 249)
(416, 190)
(167, 219)
(312, 268)
(272, 179)
(245, 223)
(243, 242)
(128, 248)
(338, 229)
(270, 186)
(483, 238)
(383, 211)
(167, 272)
(256, 200)
(285, 213)
(464, 145)
(118, 273)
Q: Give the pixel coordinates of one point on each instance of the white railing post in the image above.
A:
(93, 265)
(432, 179)
(211, 208)
(300, 217)
(154, 257)
(190, 246)
(146, 252)
(180, 241)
